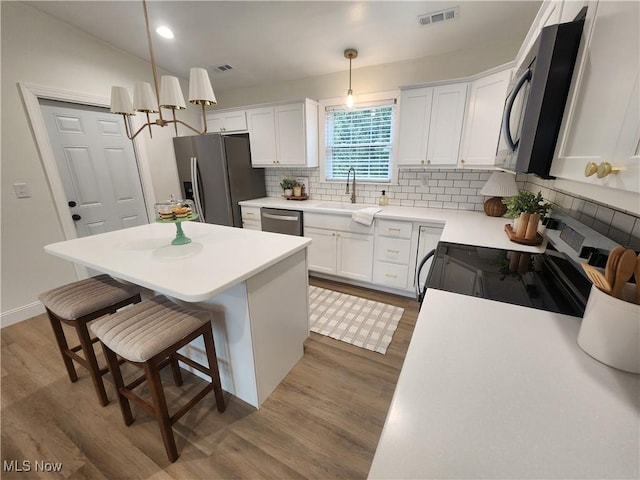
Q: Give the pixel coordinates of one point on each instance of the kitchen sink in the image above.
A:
(343, 206)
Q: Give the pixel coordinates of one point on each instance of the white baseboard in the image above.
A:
(21, 313)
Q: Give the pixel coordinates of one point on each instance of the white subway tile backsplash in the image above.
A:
(622, 221)
(620, 226)
(458, 189)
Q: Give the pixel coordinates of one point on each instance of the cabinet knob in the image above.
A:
(590, 169)
(605, 169)
(422, 162)
(428, 161)
(462, 160)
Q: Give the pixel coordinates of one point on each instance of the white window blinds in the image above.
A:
(362, 138)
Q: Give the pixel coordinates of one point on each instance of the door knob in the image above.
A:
(76, 217)
(72, 204)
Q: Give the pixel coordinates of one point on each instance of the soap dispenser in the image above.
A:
(384, 200)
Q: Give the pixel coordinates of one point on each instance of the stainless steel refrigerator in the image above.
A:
(215, 172)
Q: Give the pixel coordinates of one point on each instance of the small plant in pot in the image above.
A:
(528, 208)
(287, 185)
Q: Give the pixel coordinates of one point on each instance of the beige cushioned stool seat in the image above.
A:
(81, 298)
(144, 330)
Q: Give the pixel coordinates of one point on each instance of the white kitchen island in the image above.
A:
(254, 282)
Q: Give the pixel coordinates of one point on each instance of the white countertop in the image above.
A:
(460, 226)
(218, 257)
(492, 390)
(497, 391)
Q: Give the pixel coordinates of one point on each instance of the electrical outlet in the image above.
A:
(424, 179)
(22, 190)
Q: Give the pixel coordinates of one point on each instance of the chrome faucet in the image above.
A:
(353, 186)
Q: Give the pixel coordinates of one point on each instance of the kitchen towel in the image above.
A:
(365, 215)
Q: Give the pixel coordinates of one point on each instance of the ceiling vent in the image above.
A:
(222, 68)
(438, 17)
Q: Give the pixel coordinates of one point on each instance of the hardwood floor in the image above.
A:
(323, 421)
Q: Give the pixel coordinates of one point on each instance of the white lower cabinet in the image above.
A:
(340, 246)
(251, 218)
(340, 253)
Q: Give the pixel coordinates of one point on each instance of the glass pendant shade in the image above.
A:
(350, 99)
(121, 101)
(200, 89)
(170, 93)
(500, 184)
(143, 98)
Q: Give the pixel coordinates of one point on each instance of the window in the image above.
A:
(362, 138)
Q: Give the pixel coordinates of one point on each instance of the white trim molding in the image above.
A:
(19, 314)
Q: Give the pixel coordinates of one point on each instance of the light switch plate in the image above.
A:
(22, 190)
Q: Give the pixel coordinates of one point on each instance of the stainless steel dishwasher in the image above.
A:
(281, 221)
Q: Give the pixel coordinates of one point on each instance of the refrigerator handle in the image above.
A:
(196, 189)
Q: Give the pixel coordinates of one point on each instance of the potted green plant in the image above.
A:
(528, 208)
(287, 185)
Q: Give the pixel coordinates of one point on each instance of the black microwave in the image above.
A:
(536, 99)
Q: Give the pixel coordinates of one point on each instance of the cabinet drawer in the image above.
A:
(251, 225)
(391, 228)
(390, 274)
(251, 214)
(393, 250)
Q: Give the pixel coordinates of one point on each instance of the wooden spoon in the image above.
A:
(612, 264)
(596, 278)
(637, 275)
(624, 270)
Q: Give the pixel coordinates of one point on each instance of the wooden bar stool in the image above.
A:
(78, 303)
(149, 335)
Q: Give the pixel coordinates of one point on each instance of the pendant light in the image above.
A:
(168, 96)
(350, 53)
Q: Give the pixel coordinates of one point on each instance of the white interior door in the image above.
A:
(97, 167)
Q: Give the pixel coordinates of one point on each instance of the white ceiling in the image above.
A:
(272, 41)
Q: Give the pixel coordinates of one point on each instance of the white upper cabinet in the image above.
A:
(549, 14)
(445, 131)
(431, 125)
(284, 135)
(415, 117)
(227, 121)
(262, 136)
(483, 119)
(601, 126)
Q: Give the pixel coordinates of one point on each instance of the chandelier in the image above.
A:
(168, 96)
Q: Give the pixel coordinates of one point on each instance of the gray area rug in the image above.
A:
(358, 321)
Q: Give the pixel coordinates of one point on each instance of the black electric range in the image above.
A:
(546, 281)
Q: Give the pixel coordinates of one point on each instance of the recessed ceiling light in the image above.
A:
(164, 32)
